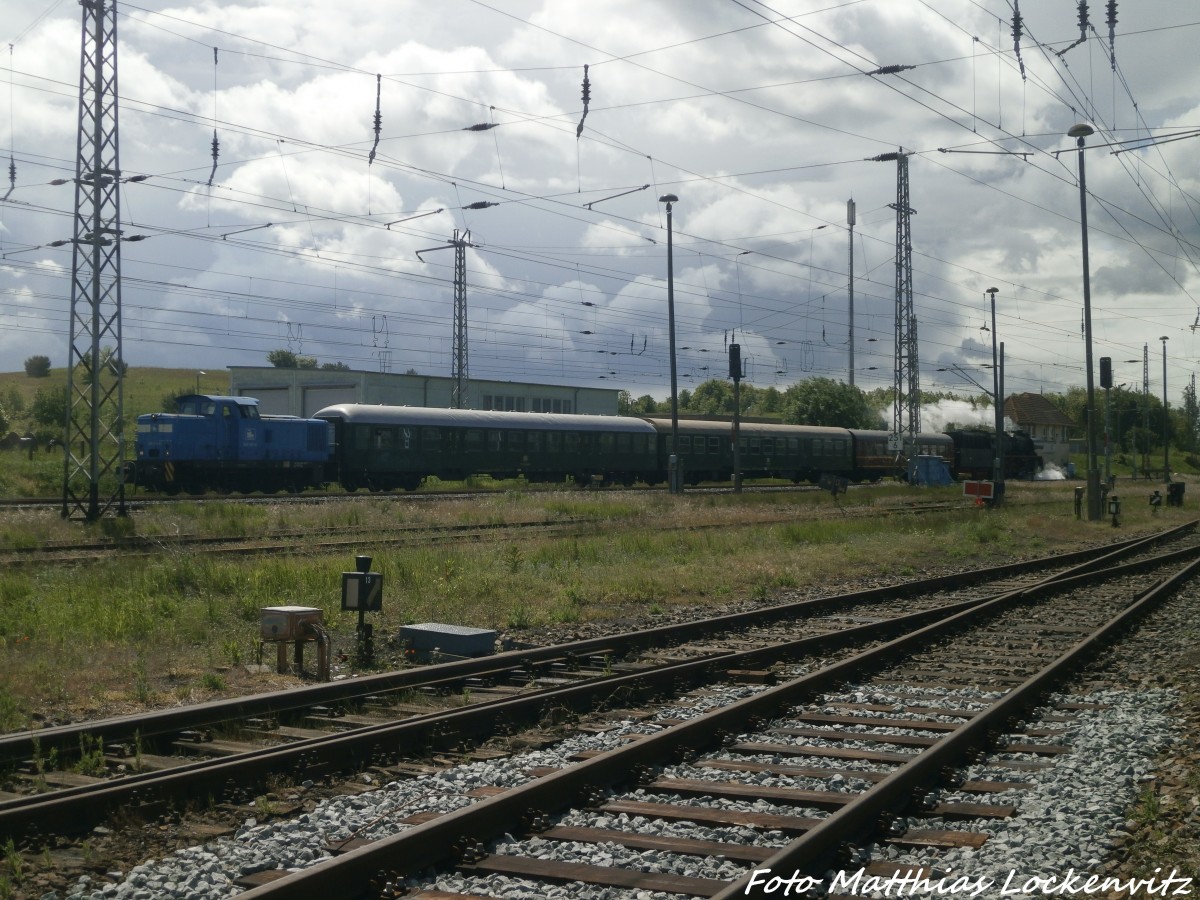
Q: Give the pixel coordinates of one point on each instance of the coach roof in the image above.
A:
(363, 414)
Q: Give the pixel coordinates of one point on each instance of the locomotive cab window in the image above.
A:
(248, 411)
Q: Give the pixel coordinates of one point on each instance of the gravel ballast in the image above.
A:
(1075, 816)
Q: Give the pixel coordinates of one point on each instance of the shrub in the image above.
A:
(37, 366)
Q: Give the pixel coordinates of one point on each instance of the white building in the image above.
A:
(302, 392)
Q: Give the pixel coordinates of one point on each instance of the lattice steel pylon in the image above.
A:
(94, 440)
(460, 378)
(459, 372)
(906, 418)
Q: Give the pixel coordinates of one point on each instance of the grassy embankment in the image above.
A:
(178, 627)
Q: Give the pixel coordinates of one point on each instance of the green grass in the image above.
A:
(179, 626)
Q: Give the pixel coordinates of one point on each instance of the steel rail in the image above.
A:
(820, 848)
(350, 875)
(65, 739)
(76, 808)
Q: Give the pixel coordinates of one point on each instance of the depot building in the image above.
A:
(302, 392)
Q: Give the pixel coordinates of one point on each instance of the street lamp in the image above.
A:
(1079, 132)
(674, 481)
(198, 374)
(998, 403)
(1166, 418)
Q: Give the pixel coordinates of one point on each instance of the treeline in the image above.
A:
(1137, 423)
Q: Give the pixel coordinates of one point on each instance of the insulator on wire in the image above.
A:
(482, 126)
(1112, 34)
(216, 152)
(1017, 28)
(587, 97)
(378, 118)
(216, 146)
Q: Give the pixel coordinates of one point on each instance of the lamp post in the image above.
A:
(198, 374)
(998, 404)
(1166, 418)
(1079, 132)
(674, 482)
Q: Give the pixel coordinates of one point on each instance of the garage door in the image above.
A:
(317, 398)
(271, 401)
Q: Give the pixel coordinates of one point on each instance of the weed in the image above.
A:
(233, 652)
(91, 756)
(13, 862)
(519, 617)
(213, 682)
(513, 557)
(1149, 807)
(141, 680)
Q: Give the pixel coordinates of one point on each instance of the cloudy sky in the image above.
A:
(761, 117)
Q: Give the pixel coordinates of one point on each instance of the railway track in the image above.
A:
(347, 538)
(846, 781)
(525, 687)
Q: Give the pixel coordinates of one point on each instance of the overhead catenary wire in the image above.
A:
(308, 208)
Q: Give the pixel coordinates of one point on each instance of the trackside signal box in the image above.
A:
(288, 623)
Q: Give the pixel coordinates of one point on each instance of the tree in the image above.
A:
(306, 362)
(49, 406)
(3, 420)
(335, 367)
(108, 360)
(712, 398)
(37, 366)
(1191, 417)
(282, 359)
(823, 401)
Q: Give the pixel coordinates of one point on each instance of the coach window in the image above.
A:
(516, 441)
(472, 440)
(553, 441)
(495, 440)
(755, 445)
(605, 443)
(685, 443)
(571, 441)
(768, 446)
(431, 439)
(533, 441)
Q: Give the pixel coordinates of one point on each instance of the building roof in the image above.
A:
(1034, 409)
